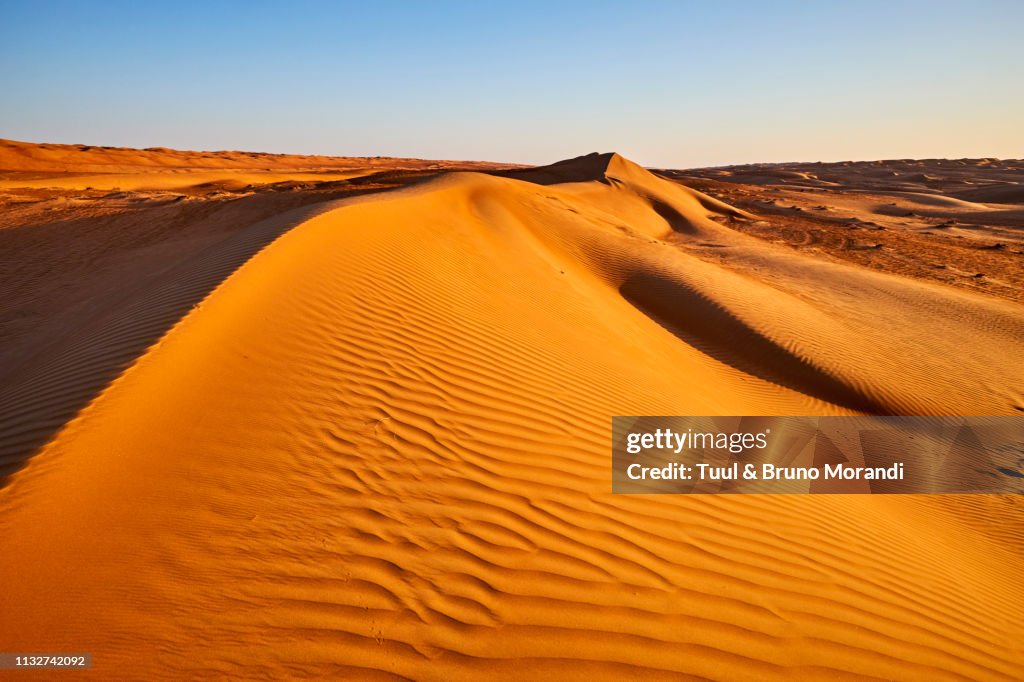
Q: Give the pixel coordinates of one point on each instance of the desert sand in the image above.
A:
(284, 417)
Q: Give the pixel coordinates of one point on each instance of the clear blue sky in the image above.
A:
(667, 83)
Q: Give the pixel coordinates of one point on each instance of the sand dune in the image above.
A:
(91, 278)
(380, 447)
(61, 166)
(52, 159)
(227, 179)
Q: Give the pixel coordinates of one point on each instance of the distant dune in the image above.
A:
(27, 165)
(359, 426)
(54, 158)
(957, 222)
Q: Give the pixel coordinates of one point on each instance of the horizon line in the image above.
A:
(162, 148)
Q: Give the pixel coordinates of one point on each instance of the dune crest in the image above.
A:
(381, 446)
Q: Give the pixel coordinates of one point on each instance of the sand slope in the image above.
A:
(90, 278)
(381, 447)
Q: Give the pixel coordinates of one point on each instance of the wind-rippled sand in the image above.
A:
(374, 440)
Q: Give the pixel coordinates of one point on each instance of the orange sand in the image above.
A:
(381, 447)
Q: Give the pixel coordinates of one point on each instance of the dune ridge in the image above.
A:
(379, 448)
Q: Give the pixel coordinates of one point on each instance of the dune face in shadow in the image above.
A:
(381, 447)
(700, 323)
